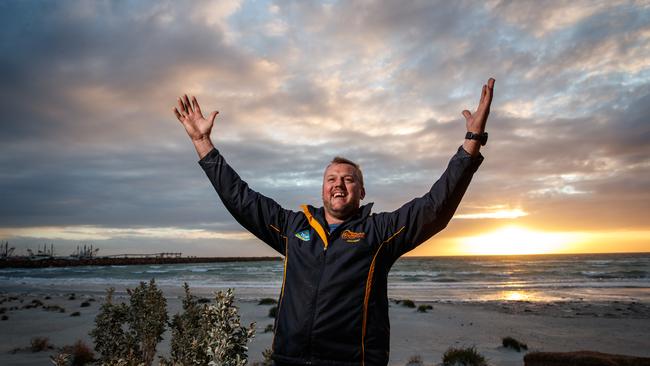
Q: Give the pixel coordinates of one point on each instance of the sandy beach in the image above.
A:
(613, 327)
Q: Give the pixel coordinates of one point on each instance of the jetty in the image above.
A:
(86, 255)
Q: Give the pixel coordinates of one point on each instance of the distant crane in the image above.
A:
(44, 253)
(86, 252)
(6, 251)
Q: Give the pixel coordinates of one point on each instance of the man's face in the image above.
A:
(342, 190)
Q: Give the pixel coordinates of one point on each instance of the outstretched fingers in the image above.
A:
(213, 115)
(486, 96)
(178, 114)
(181, 107)
(188, 105)
(196, 106)
(489, 91)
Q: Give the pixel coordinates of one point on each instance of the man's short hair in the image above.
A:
(342, 160)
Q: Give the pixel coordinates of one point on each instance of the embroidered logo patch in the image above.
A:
(303, 235)
(352, 237)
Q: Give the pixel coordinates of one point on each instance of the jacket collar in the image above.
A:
(362, 213)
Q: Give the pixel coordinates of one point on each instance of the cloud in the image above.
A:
(89, 139)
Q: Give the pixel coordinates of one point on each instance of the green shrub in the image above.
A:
(227, 339)
(76, 313)
(112, 341)
(189, 333)
(208, 334)
(463, 357)
(130, 333)
(269, 328)
(408, 303)
(147, 318)
(267, 301)
(424, 308)
(510, 342)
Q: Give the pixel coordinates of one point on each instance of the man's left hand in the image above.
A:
(476, 121)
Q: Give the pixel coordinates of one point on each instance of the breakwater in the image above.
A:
(103, 261)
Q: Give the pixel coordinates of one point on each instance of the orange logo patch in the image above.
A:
(352, 237)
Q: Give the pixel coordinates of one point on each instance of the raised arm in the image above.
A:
(423, 217)
(260, 215)
(197, 127)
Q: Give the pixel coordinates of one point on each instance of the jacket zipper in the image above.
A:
(313, 314)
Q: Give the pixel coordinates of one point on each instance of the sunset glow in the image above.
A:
(515, 240)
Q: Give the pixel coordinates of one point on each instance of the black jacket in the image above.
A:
(333, 306)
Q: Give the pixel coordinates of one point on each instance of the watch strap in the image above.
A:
(481, 137)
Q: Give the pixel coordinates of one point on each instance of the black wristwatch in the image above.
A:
(481, 137)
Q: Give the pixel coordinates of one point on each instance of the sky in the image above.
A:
(92, 154)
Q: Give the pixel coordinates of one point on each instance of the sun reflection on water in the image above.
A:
(515, 296)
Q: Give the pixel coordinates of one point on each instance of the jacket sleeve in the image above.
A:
(423, 217)
(260, 215)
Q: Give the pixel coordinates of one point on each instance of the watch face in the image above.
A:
(481, 137)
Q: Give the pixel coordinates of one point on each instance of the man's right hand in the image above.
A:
(198, 128)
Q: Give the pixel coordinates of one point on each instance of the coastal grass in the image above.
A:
(509, 342)
(267, 301)
(39, 344)
(463, 357)
(424, 308)
(273, 312)
(408, 303)
(54, 308)
(79, 353)
(415, 360)
(266, 358)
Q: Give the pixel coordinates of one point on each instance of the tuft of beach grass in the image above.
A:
(509, 342)
(463, 357)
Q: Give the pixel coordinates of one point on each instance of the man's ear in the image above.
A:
(363, 193)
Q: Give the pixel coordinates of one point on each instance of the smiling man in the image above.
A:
(333, 305)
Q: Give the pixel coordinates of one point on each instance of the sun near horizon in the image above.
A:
(514, 239)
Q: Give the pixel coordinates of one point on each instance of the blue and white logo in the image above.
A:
(303, 235)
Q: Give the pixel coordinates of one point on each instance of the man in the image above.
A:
(333, 305)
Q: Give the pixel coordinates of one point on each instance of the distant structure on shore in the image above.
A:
(86, 255)
(6, 251)
(86, 252)
(42, 253)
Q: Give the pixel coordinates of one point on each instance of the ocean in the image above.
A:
(535, 278)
